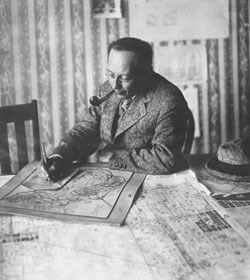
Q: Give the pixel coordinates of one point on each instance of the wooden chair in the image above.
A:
(18, 114)
(189, 137)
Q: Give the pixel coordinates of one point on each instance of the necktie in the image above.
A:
(126, 103)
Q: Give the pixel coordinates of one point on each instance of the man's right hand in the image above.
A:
(55, 169)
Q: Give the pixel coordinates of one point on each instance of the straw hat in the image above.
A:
(232, 162)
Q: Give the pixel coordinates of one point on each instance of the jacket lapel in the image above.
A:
(136, 111)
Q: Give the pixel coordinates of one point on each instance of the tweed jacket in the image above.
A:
(147, 138)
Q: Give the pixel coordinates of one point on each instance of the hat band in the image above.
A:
(230, 169)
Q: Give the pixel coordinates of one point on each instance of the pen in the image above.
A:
(45, 159)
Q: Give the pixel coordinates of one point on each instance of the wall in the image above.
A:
(54, 51)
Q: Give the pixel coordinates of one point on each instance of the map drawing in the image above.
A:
(91, 192)
(189, 231)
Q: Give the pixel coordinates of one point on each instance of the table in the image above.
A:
(176, 229)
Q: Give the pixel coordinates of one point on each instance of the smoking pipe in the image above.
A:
(95, 101)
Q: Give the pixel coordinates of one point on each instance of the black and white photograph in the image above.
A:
(107, 8)
(124, 139)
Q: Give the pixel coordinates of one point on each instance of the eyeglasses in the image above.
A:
(124, 78)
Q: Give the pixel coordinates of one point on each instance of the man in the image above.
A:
(147, 136)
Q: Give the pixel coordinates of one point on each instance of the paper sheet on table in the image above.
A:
(189, 231)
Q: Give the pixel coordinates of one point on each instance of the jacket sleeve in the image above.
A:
(163, 156)
(83, 139)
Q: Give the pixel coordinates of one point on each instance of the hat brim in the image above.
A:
(228, 172)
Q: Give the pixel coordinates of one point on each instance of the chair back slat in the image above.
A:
(36, 133)
(18, 114)
(22, 151)
(189, 137)
(13, 113)
(4, 149)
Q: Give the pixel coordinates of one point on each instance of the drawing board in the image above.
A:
(88, 194)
